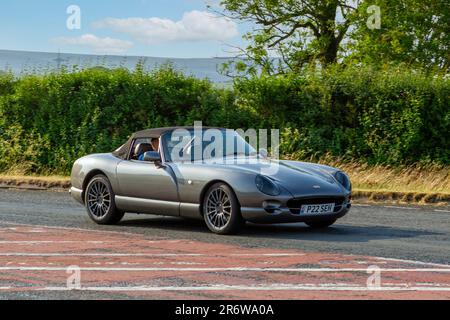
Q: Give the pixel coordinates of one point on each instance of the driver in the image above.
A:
(155, 146)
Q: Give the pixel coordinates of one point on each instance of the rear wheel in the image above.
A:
(320, 224)
(221, 210)
(99, 201)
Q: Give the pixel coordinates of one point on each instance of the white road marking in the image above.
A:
(59, 241)
(24, 254)
(440, 210)
(229, 269)
(361, 205)
(413, 262)
(275, 287)
(14, 254)
(402, 208)
(268, 254)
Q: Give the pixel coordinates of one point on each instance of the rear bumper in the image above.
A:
(284, 215)
(77, 194)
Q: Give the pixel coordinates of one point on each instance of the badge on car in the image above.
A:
(317, 208)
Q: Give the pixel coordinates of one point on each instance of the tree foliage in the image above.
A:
(413, 32)
(302, 33)
(297, 31)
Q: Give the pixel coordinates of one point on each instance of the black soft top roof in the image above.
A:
(157, 132)
(123, 151)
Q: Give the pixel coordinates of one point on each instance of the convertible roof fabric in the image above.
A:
(123, 151)
(156, 133)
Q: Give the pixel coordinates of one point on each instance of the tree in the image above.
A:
(413, 32)
(325, 32)
(298, 31)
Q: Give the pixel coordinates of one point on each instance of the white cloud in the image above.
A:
(194, 26)
(96, 44)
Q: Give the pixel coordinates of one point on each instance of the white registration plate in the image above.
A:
(317, 208)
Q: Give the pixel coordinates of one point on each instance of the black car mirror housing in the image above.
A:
(152, 156)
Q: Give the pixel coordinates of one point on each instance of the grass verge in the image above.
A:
(420, 184)
(44, 182)
(413, 184)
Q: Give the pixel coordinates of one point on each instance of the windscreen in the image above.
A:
(190, 145)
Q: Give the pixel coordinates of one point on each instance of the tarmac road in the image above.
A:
(42, 233)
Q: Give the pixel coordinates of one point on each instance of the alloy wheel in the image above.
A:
(99, 199)
(218, 208)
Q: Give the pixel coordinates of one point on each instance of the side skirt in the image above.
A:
(158, 207)
(138, 205)
(190, 210)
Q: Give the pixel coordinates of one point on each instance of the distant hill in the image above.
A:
(20, 62)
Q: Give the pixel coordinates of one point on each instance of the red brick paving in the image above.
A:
(54, 249)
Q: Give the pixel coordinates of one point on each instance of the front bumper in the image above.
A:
(77, 194)
(284, 215)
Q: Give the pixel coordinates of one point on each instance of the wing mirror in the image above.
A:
(152, 156)
(263, 153)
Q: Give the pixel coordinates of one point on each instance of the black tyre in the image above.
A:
(99, 201)
(221, 210)
(320, 224)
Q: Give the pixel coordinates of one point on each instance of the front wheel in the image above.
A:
(221, 210)
(320, 224)
(100, 204)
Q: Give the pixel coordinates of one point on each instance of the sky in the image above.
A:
(156, 28)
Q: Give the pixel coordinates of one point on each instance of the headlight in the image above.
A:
(344, 180)
(265, 185)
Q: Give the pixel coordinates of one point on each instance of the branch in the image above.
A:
(286, 35)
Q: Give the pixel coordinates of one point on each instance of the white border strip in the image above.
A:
(401, 208)
(59, 241)
(413, 262)
(237, 288)
(230, 269)
(24, 254)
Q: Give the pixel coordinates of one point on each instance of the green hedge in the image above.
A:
(387, 117)
(392, 117)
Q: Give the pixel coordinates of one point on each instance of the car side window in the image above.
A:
(178, 148)
(133, 155)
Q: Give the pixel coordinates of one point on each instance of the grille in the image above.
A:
(295, 205)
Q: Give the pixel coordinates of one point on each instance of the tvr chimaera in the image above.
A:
(158, 172)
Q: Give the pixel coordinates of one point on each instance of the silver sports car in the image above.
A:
(159, 172)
